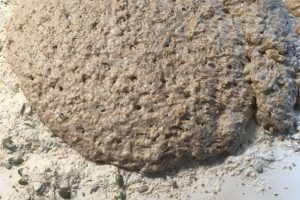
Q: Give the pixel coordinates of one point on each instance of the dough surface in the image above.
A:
(148, 84)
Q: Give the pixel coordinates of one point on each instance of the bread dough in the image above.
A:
(149, 84)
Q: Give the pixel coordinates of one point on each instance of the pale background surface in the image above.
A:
(281, 177)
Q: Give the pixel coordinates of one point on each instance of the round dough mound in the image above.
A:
(148, 84)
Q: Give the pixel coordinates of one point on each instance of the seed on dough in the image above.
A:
(23, 109)
(9, 144)
(15, 161)
(23, 181)
(143, 189)
(120, 180)
(65, 193)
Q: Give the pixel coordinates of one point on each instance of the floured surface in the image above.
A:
(50, 165)
(149, 85)
(261, 171)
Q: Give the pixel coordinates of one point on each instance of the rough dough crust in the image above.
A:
(148, 84)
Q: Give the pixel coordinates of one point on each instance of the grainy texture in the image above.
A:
(147, 84)
(294, 7)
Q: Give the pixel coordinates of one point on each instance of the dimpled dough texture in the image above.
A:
(148, 84)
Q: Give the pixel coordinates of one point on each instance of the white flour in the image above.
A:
(50, 165)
